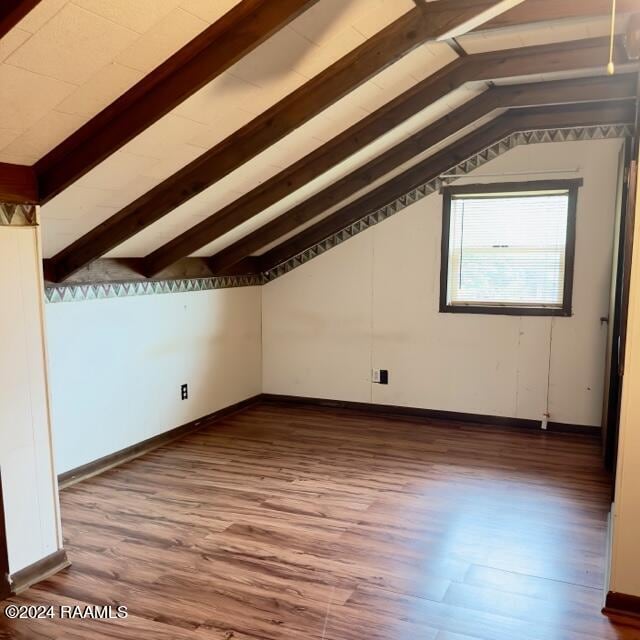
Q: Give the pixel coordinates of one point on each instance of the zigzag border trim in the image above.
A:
(574, 134)
(97, 291)
(18, 215)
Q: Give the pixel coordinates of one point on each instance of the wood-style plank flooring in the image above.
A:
(298, 523)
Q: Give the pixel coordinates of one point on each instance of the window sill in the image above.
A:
(506, 311)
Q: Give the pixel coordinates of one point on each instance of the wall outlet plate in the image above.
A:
(184, 392)
(380, 376)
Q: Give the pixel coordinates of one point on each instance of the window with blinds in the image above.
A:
(509, 248)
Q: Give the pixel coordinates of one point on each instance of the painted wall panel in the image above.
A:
(319, 329)
(389, 277)
(29, 485)
(117, 365)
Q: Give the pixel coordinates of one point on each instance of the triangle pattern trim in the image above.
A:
(22, 215)
(537, 136)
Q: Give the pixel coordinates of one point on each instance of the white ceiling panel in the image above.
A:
(27, 97)
(167, 36)
(11, 41)
(139, 16)
(101, 89)
(75, 57)
(72, 46)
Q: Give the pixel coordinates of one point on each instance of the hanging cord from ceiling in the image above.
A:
(611, 67)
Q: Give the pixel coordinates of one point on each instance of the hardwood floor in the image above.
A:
(298, 523)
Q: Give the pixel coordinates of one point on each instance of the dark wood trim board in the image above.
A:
(395, 411)
(100, 465)
(5, 587)
(39, 570)
(621, 604)
(18, 184)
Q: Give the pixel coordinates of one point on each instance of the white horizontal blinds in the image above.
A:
(508, 249)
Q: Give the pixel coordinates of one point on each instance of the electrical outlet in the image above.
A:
(184, 392)
(380, 376)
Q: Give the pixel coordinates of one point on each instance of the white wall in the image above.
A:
(117, 365)
(29, 483)
(373, 302)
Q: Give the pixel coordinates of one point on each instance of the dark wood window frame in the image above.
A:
(572, 187)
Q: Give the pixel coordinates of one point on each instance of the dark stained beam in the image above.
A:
(457, 47)
(492, 66)
(532, 11)
(503, 97)
(236, 34)
(12, 11)
(422, 24)
(128, 270)
(528, 119)
(18, 184)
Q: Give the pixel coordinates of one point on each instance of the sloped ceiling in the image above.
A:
(68, 59)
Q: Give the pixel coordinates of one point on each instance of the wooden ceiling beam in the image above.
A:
(422, 24)
(229, 39)
(528, 119)
(492, 66)
(503, 97)
(12, 11)
(126, 270)
(534, 11)
(18, 184)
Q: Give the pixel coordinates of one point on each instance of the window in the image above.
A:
(509, 248)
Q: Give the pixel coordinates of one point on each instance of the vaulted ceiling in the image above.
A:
(156, 130)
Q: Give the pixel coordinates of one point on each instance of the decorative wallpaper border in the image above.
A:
(18, 215)
(96, 291)
(512, 141)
